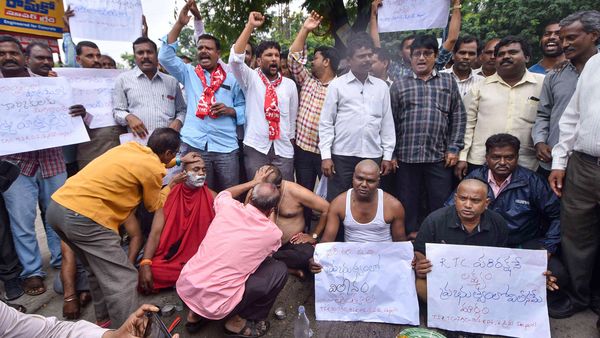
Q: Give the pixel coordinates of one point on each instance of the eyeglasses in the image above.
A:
(426, 54)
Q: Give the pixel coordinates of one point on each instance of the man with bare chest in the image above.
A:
(297, 246)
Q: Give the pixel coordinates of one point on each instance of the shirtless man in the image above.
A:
(368, 213)
(297, 247)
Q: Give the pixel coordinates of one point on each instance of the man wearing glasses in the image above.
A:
(430, 124)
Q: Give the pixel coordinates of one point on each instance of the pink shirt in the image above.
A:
(238, 240)
(495, 187)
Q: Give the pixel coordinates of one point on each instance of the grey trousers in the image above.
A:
(112, 278)
(254, 159)
(580, 226)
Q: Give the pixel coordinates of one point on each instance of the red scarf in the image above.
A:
(217, 77)
(188, 214)
(272, 112)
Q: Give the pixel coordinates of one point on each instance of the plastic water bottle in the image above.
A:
(302, 325)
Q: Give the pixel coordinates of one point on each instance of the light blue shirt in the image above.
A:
(215, 135)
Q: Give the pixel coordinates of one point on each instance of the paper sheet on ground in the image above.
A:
(369, 282)
(494, 291)
(113, 20)
(93, 89)
(408, 15)
(34, 114)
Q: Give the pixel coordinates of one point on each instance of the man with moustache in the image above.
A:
(42, 172)
(144, 98)
(505, 102)
(216, 105)
(466, 50)
(529, 207)
(429, 118)
(580, 33)
(356, 120)
(271, 104)
(551, 49)
(487, 59)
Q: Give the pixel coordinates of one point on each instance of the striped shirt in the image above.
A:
(430, 118)
(464, 85)
(50, 161)
(312, 97)
(156, 102)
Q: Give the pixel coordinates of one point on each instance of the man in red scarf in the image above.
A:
(177, 230)
(271, 104)
(215, 103)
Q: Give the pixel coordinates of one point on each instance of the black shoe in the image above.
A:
(560, 306)
(13, 289)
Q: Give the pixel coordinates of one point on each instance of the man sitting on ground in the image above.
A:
(232, 275)
(532, 211)
(177, 230)
(297, 247)
(368, 213)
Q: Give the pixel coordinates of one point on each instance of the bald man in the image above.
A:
(364, 213)
(468, 222)
(296, 245)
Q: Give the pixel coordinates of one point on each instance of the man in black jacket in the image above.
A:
(532, 211)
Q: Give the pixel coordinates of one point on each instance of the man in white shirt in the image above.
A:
(271, 104)
(356, 120)
(576, 178)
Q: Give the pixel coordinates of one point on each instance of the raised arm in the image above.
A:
(373, 25)
(454, 27)
(311, 23)
(182, 21)
(261, 174)
(255, 20)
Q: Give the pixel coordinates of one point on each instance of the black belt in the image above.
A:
(589, 158)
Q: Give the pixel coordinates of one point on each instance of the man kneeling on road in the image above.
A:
(232, 275)
(368, 214)
(177, 230)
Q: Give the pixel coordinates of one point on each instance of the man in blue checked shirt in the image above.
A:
(215, 104)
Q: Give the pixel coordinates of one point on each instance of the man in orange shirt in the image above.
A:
(88, 209)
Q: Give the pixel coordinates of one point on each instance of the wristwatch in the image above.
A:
(315, 236)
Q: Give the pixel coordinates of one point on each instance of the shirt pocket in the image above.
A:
(530, 110)
(443, 100)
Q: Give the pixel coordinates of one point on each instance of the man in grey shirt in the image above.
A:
(144, 98)
(577, 33)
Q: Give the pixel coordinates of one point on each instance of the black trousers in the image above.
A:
(262, 288)
(411, 179)
(10, 267)
(295, 256)
(308, 168)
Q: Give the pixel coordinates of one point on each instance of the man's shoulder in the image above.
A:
(495, 220)
(441, 214)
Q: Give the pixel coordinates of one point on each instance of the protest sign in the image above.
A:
(114, 20)
(34, 114)
(369, 282)
(93, 89)
(40, 18)
(494, 291)
(407, 15)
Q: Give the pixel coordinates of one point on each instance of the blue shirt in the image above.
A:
(537, 68)
(215, 135)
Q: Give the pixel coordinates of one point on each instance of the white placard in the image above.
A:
(93, 89)
(34, 115)
(113, 20)
(408, 15)
(493, 291)
(369, 282)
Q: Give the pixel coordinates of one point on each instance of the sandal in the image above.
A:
(34, 286)
(193, 327)
(17, 307)
(255, 328)
(71, 307)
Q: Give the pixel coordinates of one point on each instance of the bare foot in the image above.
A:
(298, 273)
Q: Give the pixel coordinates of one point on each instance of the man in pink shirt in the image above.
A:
(233, 274)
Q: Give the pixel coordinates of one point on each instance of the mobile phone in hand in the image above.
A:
(155, 328)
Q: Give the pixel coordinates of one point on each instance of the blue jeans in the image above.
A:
(21, 201)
